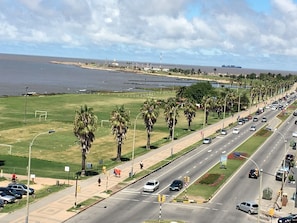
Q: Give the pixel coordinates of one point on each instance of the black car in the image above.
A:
(10, 191)
(254, 173)
(295, 113)
(2, 203)
(176, 185)
(289, 218)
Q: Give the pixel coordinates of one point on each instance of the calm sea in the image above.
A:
(19, 73)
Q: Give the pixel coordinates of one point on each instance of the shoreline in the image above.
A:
(121, 69)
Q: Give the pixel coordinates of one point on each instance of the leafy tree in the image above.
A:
(85, 125)
(119, 120)
(196, 91)
(150, 113)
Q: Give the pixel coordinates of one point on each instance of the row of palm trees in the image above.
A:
(220, 102)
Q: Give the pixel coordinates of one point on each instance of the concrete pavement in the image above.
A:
(54, 208)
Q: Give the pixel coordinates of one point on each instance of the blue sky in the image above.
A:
(249, 33)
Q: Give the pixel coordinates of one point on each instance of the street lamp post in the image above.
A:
(260, 183)
(29, 169)
(133, 144)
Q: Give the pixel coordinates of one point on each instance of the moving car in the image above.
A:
(241, 121)
(295, 113)
(236, 131)
(176, 185)
(289, 218)
(224, 132)
(255, 119)
(151, 186)
(294, 134)
(21, 188)
(206, 140)
(7, 198)
(253, 128)
(264, 119)
(254, 173)
(248, 206)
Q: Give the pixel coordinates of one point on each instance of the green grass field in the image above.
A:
(51, 153)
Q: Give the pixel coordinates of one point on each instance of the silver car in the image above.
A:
(7, 198)
(248, 206)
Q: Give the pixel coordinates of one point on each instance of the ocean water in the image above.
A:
(21, 73)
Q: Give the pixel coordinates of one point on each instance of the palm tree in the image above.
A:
(170, 114)
(85, 125)
(150, 113)
(119, 120)
(189, 112)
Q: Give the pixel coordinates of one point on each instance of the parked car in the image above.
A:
(248, 206)
(255, 119)
(253, 128)
(1, 203)
(151, 186)
(254, 173)
(12, 192)
(206, 140)
(281, 174)
(236, 131)
(294, 134)
(176, 185)
(7, 198)
(290, 157)
(21, 188)
(224, 132)
(289, 218)
(295, 113)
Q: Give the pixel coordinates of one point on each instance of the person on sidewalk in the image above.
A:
(99, 181)
(141, 165)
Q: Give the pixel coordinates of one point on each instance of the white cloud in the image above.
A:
(144, 28)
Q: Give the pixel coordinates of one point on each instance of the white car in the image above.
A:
(151, 186)
(236, 131)
(253, 128)
(224, 132)
(206, 140)
(294, 134)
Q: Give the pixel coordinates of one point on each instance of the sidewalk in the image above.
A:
(53, 208)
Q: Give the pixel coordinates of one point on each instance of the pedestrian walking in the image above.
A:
(13, 178)
(141, 165)
(99, 181)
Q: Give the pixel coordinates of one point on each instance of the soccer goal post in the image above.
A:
(9, 148)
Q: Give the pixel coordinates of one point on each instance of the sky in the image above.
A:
(259, 34)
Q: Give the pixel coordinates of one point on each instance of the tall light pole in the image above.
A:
(133, 144)
(29, 169)
(260, 183)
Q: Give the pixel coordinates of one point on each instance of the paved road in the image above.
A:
(53, 208)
